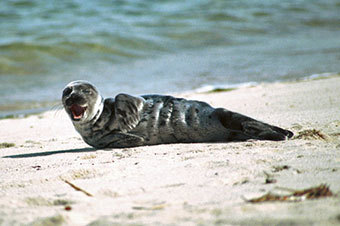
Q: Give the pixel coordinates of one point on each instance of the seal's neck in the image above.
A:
(97, 110)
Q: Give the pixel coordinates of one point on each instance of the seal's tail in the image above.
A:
(244, 128)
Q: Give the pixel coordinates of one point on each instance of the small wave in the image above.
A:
(22, 58)
(23, 109)
(63, 49)
(27, 58)
(225, 87)
(219, 16)
(327, 22)
(229, 87)
(322, 75)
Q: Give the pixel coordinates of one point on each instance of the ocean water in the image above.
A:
(148, 46)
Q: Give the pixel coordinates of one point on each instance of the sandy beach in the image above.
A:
(49, 176)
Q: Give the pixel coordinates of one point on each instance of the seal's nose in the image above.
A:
(67, 91)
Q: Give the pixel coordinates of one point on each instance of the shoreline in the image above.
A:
(179, 184)
(45, 105)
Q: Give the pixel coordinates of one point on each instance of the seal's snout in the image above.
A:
(76, 105)
(74, 99)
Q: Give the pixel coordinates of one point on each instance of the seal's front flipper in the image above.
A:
(243, 128)
(119, 140)
(127, 111)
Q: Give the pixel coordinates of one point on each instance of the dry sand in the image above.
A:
(179, 184)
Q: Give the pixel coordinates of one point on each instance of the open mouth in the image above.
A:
(77, 111)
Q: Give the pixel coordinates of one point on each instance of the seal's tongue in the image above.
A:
(77, 111)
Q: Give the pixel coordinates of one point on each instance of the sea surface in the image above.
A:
(167, 46)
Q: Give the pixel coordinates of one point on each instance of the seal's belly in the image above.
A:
(166, 119)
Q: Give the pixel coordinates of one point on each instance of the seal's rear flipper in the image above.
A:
(263, 131)
(244, 128)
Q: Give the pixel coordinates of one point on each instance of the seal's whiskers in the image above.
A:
(57, 108)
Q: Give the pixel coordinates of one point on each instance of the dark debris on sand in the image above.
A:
(320, 191)
(311, 134)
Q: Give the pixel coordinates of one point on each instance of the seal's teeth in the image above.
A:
(77, 117)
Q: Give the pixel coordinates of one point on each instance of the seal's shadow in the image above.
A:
(39, 154)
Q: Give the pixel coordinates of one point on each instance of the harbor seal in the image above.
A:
(130, 121)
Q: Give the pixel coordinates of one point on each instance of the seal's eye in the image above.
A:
(67, 91)
(87, 91)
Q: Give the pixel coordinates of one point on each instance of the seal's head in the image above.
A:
(82, 101)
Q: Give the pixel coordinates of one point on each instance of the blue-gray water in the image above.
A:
(148, 46)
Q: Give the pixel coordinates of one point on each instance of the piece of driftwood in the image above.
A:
(78, 188)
